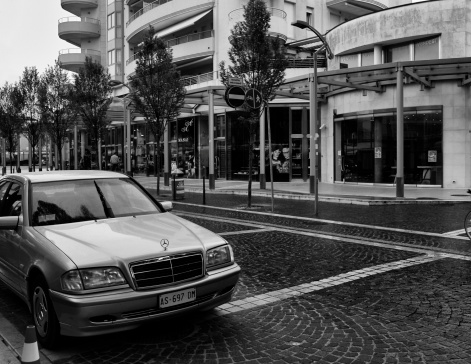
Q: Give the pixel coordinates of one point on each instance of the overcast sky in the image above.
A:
(28, 36)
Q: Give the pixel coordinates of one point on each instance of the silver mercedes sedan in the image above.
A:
(92, 252)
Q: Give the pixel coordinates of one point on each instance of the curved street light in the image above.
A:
(313, 120)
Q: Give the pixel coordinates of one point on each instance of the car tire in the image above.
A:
(44, 315)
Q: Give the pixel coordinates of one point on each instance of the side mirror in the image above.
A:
(9, 222)
(167, 205)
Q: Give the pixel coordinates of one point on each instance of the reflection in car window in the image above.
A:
(73, 201)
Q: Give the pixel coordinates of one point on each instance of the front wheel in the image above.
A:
(467, 224)
(44, 316)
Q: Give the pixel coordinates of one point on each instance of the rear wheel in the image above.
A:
(44, 316)
(467, 224)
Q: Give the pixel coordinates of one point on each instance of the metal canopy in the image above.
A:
(331, 83)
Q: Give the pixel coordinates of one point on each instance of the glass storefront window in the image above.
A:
(349, 61)
(367, 59)
(427, 49)
(398, 53)
(368, 147)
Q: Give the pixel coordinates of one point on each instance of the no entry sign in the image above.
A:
(235, 96)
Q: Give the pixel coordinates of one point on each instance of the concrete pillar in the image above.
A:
(211, 140)
(75, 147)
(262, 176)
(378, 54)
(400, 133)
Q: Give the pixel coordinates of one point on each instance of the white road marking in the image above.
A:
(285, 293)
(374, 227)
(455, 233)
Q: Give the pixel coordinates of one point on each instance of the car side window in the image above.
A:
(12, 200)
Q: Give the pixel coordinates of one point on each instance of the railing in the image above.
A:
(239, 13)
(180, 40)
(79, 50)
(205, 77)
(79, 19)
(145, 9)
(190, 38)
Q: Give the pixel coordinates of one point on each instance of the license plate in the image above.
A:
(177, 298)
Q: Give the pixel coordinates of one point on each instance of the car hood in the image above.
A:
(128, 239)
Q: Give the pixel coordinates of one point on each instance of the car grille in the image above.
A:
(167, 270)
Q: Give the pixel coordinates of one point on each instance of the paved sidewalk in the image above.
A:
(6, 355)
(332, 192)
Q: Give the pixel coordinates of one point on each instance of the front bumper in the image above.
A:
(125, 309)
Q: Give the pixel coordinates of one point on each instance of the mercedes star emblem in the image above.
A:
(164, 243)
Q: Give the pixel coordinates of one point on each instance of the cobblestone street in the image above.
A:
(374, 284)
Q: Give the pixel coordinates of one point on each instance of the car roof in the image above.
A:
(55, 176)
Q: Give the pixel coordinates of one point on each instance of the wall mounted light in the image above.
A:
(364, 93)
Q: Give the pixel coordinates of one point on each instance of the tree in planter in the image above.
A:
(33, 127)
(157, 91)
(90, 98)
(55, 105)
(258, 59)
(11, 123)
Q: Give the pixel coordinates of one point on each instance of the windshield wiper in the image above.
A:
(108, 211)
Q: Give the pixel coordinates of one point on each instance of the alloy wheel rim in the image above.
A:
(40, 311)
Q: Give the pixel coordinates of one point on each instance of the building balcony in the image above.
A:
(74, 29)
(355, 8)
(73, 59)
(278, 24)
(202, 80)
(163, 14)
(75, 6)
(191, 47)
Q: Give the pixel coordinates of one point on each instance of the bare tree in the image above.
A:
(55, 105)
(10, 121)
(258, 59)
(157, 91)
(30, 112)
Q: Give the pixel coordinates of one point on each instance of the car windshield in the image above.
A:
(81, 200)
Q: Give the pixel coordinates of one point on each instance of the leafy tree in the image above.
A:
(10, 121)
(33, 127)
(258, 59)
(55, 105)
(91, 96)
(157, 91)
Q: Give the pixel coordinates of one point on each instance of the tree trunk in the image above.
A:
(157, 167)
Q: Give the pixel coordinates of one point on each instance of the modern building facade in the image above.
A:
(396, 63)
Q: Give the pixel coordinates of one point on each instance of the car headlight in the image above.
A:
(79, 280)
(222, 255)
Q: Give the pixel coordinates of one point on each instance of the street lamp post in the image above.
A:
(313, 119)
(127, 126)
